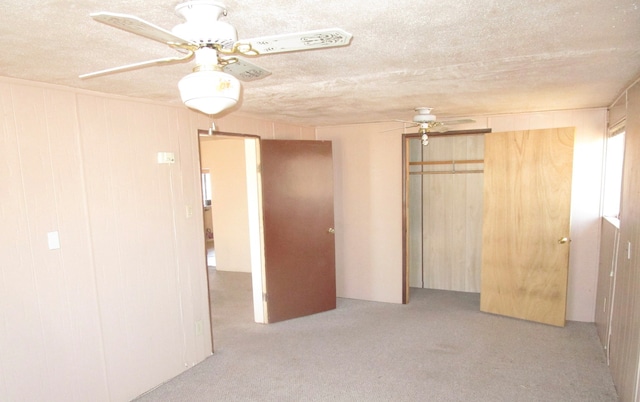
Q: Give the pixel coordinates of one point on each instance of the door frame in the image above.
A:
(405, 198)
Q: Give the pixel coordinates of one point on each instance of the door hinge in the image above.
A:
(265, 297)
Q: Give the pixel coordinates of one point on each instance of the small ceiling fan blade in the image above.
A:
(439, 129)
(140, 27)
(413, 123)
(135, 66)
(401, 128)
(245, 71)
(322, 38)
(461, 121)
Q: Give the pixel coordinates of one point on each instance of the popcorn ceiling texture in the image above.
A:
(461, 57)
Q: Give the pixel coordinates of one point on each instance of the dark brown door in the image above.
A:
(299, 244)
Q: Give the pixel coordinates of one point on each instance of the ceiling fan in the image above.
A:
(427, 123)
(213, 85)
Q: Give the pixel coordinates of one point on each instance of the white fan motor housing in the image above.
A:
(424, 118)
(203, 25)
(424, 115)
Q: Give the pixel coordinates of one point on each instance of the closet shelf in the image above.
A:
(453, 163)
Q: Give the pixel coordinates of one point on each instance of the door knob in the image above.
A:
(331, 230)
(563, 240)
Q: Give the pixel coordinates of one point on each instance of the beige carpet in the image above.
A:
(437, 348)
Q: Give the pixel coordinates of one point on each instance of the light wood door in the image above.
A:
(299, 244)
(527, 197)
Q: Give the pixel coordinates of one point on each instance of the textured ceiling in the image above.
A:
(462, 57)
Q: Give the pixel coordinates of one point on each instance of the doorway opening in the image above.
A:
(262, 194)
(209, 244)
(232, 213)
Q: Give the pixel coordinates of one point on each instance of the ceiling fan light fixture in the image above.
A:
(213, 86)
(210, 92)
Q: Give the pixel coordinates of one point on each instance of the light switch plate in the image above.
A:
(53, 239)
(166, 157)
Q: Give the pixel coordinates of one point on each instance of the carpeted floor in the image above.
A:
(439, 347)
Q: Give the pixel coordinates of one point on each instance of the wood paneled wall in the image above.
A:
(367, 166)
(609, 240)
(122, 305)
(624, 345)
(146, 247)
(50, 336)
(112, 312)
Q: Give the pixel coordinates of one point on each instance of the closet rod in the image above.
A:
(449, 172)
(449, 133)
(452, 162)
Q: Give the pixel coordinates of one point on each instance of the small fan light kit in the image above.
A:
(213, 86)
(427, 123)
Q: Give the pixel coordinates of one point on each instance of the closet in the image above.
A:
(491, 214)
(445, 193)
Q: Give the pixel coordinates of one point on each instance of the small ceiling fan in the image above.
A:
(212, 86)
(427, 123)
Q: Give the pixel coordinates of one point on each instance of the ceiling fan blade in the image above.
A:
(135, 66)
(413, 123)
(308, 40)
(439, 129)
(401, 128)
(140, 27)
(461, 121)
(244, 70)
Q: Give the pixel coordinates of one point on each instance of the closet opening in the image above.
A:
(442, 211)
(232, 224)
